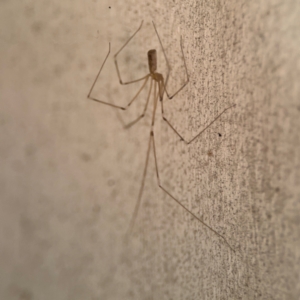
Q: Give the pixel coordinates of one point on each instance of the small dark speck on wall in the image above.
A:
(85, 157)
(96, 209)
(37, 27)
(111, 182)
(26, 295)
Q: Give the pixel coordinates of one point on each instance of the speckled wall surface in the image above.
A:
(70, 174)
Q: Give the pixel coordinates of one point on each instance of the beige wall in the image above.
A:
(70, 174)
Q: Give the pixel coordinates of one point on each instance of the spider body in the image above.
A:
(152, 60)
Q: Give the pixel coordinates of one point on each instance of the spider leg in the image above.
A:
(160, 85)
(168, 66)
(137, 205)
(116, 61)
(178, 202)
(144, 111)
(111, 104)
(198, 134)
(92, 87)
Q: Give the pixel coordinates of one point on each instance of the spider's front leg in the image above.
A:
(116, 61)
(145, 78)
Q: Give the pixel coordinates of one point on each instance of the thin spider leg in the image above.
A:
(139, 91)
(116, 62)
(155, 103)
(99, 71)
(110, 104)
(178, 202)
(168, 66)
(92, 87)
(186, 71)
(137, 205)
(198, 134)
(144, 111)
(155, 95)
(161, 90)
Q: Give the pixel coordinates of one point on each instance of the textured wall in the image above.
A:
(70, 174)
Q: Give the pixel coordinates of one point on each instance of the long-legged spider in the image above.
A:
(160, 87)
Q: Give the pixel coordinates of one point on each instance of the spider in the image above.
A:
(160, 88)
